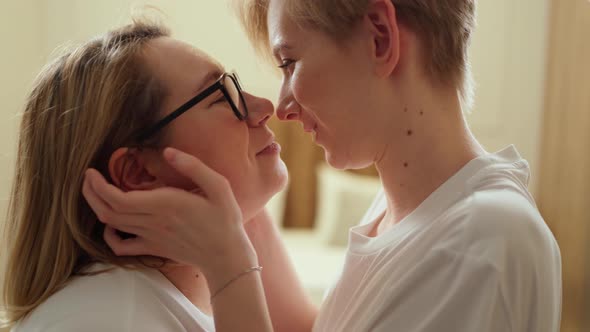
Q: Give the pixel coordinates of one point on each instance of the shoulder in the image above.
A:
(104, 289)
(501, 226)
(102, 301)
(503, 215)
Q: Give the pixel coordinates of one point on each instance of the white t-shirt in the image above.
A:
(118, 300)
(475, 256)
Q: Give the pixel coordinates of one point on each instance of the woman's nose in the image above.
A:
(287, 108)
(288, 111)
(260, 110)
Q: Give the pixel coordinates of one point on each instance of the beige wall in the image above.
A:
(20, 24)
(509, 56)
(207, 24)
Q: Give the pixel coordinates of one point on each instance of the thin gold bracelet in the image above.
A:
(252, 269)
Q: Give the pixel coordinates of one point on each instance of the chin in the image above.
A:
(335, 161)
(254, 202)
(279, 183)
(344, 162)
(283, 179)
(277, 178)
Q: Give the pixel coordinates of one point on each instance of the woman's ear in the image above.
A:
(385, 36)
(129, 170)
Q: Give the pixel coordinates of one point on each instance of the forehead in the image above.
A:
(281, 28)
(176, 62)
(276, 14)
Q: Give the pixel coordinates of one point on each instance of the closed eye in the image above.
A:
(286, 63)
(219, 99)
(222, 99)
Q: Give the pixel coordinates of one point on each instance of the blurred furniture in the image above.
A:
(302, 157)
(565, 163)
(318, 253)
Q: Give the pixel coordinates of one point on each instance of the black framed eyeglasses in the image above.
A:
(228, 84)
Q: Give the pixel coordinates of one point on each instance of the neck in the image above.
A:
(190, 282)
(435, 143)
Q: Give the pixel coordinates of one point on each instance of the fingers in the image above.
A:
(99, 206)
(212, 183)
(106, 213)
(110, 195)
(125, 247)
(137, 231)
(132, 202)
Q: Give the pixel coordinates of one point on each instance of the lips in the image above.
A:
(272, 149)
(309, 129)
(268, 144)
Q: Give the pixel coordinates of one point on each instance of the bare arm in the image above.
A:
(290, 307)
(242, 306)
(178, 225)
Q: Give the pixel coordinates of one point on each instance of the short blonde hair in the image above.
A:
(83, 105)
(444, 28)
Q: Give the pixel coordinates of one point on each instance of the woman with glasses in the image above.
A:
(453, 243)
(113, 104)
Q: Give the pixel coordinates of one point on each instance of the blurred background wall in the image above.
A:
(530, 62)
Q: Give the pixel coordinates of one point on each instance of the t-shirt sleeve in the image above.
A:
(144, 313)
(447, 291)
(101, 322)
(127, 307)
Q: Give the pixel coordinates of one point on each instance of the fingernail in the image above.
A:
(175, 156)
(88, 177)
(170, 154)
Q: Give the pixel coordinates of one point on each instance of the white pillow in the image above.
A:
(343, 198)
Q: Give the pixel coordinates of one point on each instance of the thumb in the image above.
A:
(213, 184)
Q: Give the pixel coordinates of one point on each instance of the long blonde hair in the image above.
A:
(83, 106)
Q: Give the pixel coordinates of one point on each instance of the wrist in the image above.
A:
(242, 256)
(260, 223)
(254, 269)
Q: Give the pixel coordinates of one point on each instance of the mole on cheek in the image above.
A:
(405, 164)
(410, 132)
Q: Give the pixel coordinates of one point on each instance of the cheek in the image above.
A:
(320, 96)
(301, 88)
(222, 147)
(310, 90)
(229, 164)
(226, 155)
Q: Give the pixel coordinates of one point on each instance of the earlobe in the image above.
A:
(129, 172)
(384, 28)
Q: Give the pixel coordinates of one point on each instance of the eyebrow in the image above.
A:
(209, 78)
(281, 46)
